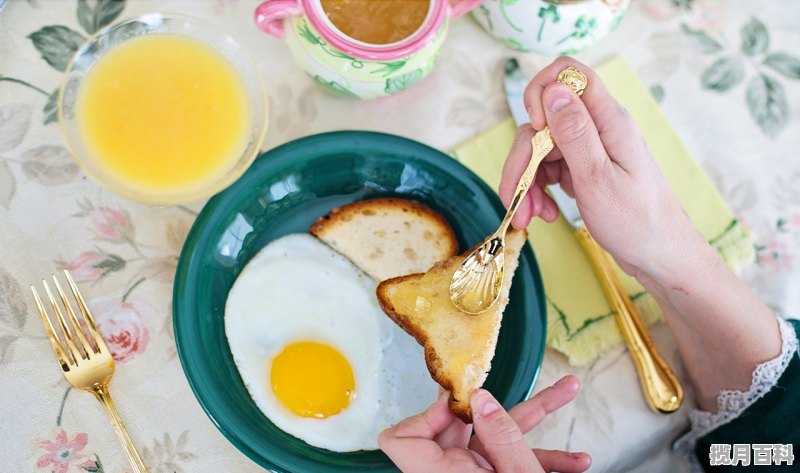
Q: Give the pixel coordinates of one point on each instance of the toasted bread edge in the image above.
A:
(459, 407)
(343, 213)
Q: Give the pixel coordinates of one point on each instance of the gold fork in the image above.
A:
(85, 359)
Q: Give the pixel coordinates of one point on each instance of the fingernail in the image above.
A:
(561, 381)
(558, 100)
(530, 111)
(485, 404)
(577, 456)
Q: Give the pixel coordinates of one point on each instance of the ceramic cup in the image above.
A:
(553, 27)
(349, 67)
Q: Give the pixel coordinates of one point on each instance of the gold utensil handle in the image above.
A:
(541, 144)
(102, 395)
(661, 387)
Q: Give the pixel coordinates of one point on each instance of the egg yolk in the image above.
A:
(312, 379)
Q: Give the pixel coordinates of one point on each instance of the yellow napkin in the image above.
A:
(580, 322)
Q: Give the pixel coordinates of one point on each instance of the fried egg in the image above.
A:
(315, 351)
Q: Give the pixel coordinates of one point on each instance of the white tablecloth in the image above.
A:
(51, 216)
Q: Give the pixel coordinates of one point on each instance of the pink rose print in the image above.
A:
(659, 9)
(92, 265)
(112, 224)
(123, 325)
(774, 255)
(83, 267)
(794, 222)
(62, 453)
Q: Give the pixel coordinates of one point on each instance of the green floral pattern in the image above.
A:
(756, 174)
(352, 77)
(584, 26)
(765, 94)
(505, 4)
(403, 82)
(548, 13)
(335, 88)
(305, 32)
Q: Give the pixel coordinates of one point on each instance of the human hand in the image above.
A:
(436, 440)
(602, 160)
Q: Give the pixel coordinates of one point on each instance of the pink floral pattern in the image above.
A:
(62, 453)
(112, 224)
(39, 185)
(774, 255)
(84, 268)
(92, 265)
(123, 325)
(701, 15)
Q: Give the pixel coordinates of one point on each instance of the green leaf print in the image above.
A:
(755, 39)
(616, 21)
(570, 51)
(503, 5)
(513, 44)
(548, 13)
(356, 63)
(389, 67)
(767, 103)
(706, 43)
(584, 26)
(657, 91)
(92, 18)
(57, 44)
(786, 64)
(485, 12)
(50, 110)
(403, 82)
(723, 74)
(98, 466)
(305, 32)
(334, 88)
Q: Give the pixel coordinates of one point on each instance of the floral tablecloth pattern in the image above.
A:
(726, 73)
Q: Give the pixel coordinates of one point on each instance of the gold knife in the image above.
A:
(662, 390)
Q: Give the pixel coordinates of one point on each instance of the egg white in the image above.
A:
(299, 289)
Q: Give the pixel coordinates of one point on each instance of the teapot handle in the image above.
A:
(270, 15)
(460, 7)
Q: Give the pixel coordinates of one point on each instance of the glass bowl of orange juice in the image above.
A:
(163, 109)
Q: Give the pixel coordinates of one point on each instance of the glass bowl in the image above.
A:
(150, 24)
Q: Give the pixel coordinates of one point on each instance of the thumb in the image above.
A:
(500, 436)
(574, 132)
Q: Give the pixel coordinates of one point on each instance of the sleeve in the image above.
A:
(767, 415)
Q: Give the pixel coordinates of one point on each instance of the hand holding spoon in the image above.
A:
(476, 283)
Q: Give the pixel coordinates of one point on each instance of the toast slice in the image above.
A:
(458, 347)
(388, 237)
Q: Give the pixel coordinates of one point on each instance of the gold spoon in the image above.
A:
(476, 283)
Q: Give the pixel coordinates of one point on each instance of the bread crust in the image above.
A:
(345, 213)
(459, 407)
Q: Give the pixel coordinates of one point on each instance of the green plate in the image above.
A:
(285, 191)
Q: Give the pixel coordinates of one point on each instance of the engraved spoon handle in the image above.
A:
(541, 143)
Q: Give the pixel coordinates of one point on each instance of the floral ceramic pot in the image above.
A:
(352, 68)
(550, 26)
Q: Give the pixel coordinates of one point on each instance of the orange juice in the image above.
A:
(377, 21)
(164, 113)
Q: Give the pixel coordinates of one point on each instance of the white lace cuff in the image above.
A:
(730, 404)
